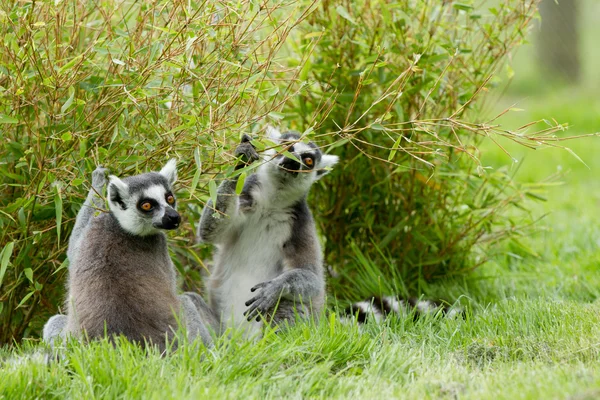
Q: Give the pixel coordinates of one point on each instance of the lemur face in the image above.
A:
(309, 164)
(145, 204)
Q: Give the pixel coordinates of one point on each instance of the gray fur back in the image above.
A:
(122, 284)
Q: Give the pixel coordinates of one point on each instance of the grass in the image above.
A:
(532, 328)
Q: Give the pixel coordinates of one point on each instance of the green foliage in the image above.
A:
(127, 84)
(394, 82)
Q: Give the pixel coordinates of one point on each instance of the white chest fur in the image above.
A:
(252, 254)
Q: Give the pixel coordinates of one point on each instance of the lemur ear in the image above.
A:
(273, 134)
(169, 171)
(118, 191)
(327, 162)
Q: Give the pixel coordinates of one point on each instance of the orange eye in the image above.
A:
(170, 199)
(309, 162)
(146, 206)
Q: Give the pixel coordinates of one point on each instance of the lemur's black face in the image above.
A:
(308, 156)
(307, 165)
(145, 204)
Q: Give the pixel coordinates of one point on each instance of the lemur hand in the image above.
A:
(99, 177)
(265, 301)
(245, 152)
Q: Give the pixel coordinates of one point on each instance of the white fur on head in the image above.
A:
(119, 203)
(169, 171)
(273, 133)
(122, 205)
(117, 189)
(327, 162)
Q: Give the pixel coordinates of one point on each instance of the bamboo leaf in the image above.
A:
(29, 274)
(344, 14)
(5, 119)
(69, 101)
(27, 296)
(198, 172)
(212, 190)
(239, 186)
(58, 208)
(5, 258)
(395, 148)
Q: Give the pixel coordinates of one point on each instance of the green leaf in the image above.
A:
(62, 266)
(239, 186)
(69, 101)
(5, 119)
(332, 324)
(5, 258)
(29, 274)
(66, 137)
(58, 207)
(377, 127)
(290, 156)
(27, 296)
(198, 172)
(462, 6)
(70, 64)
(395, 148)
(212, 189)
(277, 115)
(344, 14)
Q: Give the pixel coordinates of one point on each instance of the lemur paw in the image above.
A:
(246, 151)
(264, 302)
(99, 177)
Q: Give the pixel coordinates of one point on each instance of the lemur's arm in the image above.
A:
(212, 226)
(303, 280)
(93, 202)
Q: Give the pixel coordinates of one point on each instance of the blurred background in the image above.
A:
(556, 75)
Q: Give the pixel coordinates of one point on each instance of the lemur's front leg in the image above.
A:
(299, 286)
(302, 285)
(212, 226)
(92, 203)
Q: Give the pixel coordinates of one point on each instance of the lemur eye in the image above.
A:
(146, 206)
(170, 199)
(308, 161)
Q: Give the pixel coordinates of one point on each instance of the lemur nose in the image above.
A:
(174, 218)
(171, 218)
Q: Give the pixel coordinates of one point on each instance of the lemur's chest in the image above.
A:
(252, 254)
(259, 236)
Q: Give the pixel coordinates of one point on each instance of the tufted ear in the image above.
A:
(273, 134)
(326, 164)
(118, 191)
(169, 171)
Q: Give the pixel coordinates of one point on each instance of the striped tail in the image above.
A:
(378, 308)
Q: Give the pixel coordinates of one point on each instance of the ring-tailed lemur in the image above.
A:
(268, 254)
(121, 277)
(378, 308)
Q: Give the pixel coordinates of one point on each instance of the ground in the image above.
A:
(532, 329)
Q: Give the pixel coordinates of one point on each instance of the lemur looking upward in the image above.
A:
(268, 261)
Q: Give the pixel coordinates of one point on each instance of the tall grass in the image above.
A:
(387, 85)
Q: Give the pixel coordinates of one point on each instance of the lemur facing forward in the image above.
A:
(121, 278)
(268, 262)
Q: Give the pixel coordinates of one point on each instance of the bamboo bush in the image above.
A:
(391, 87)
